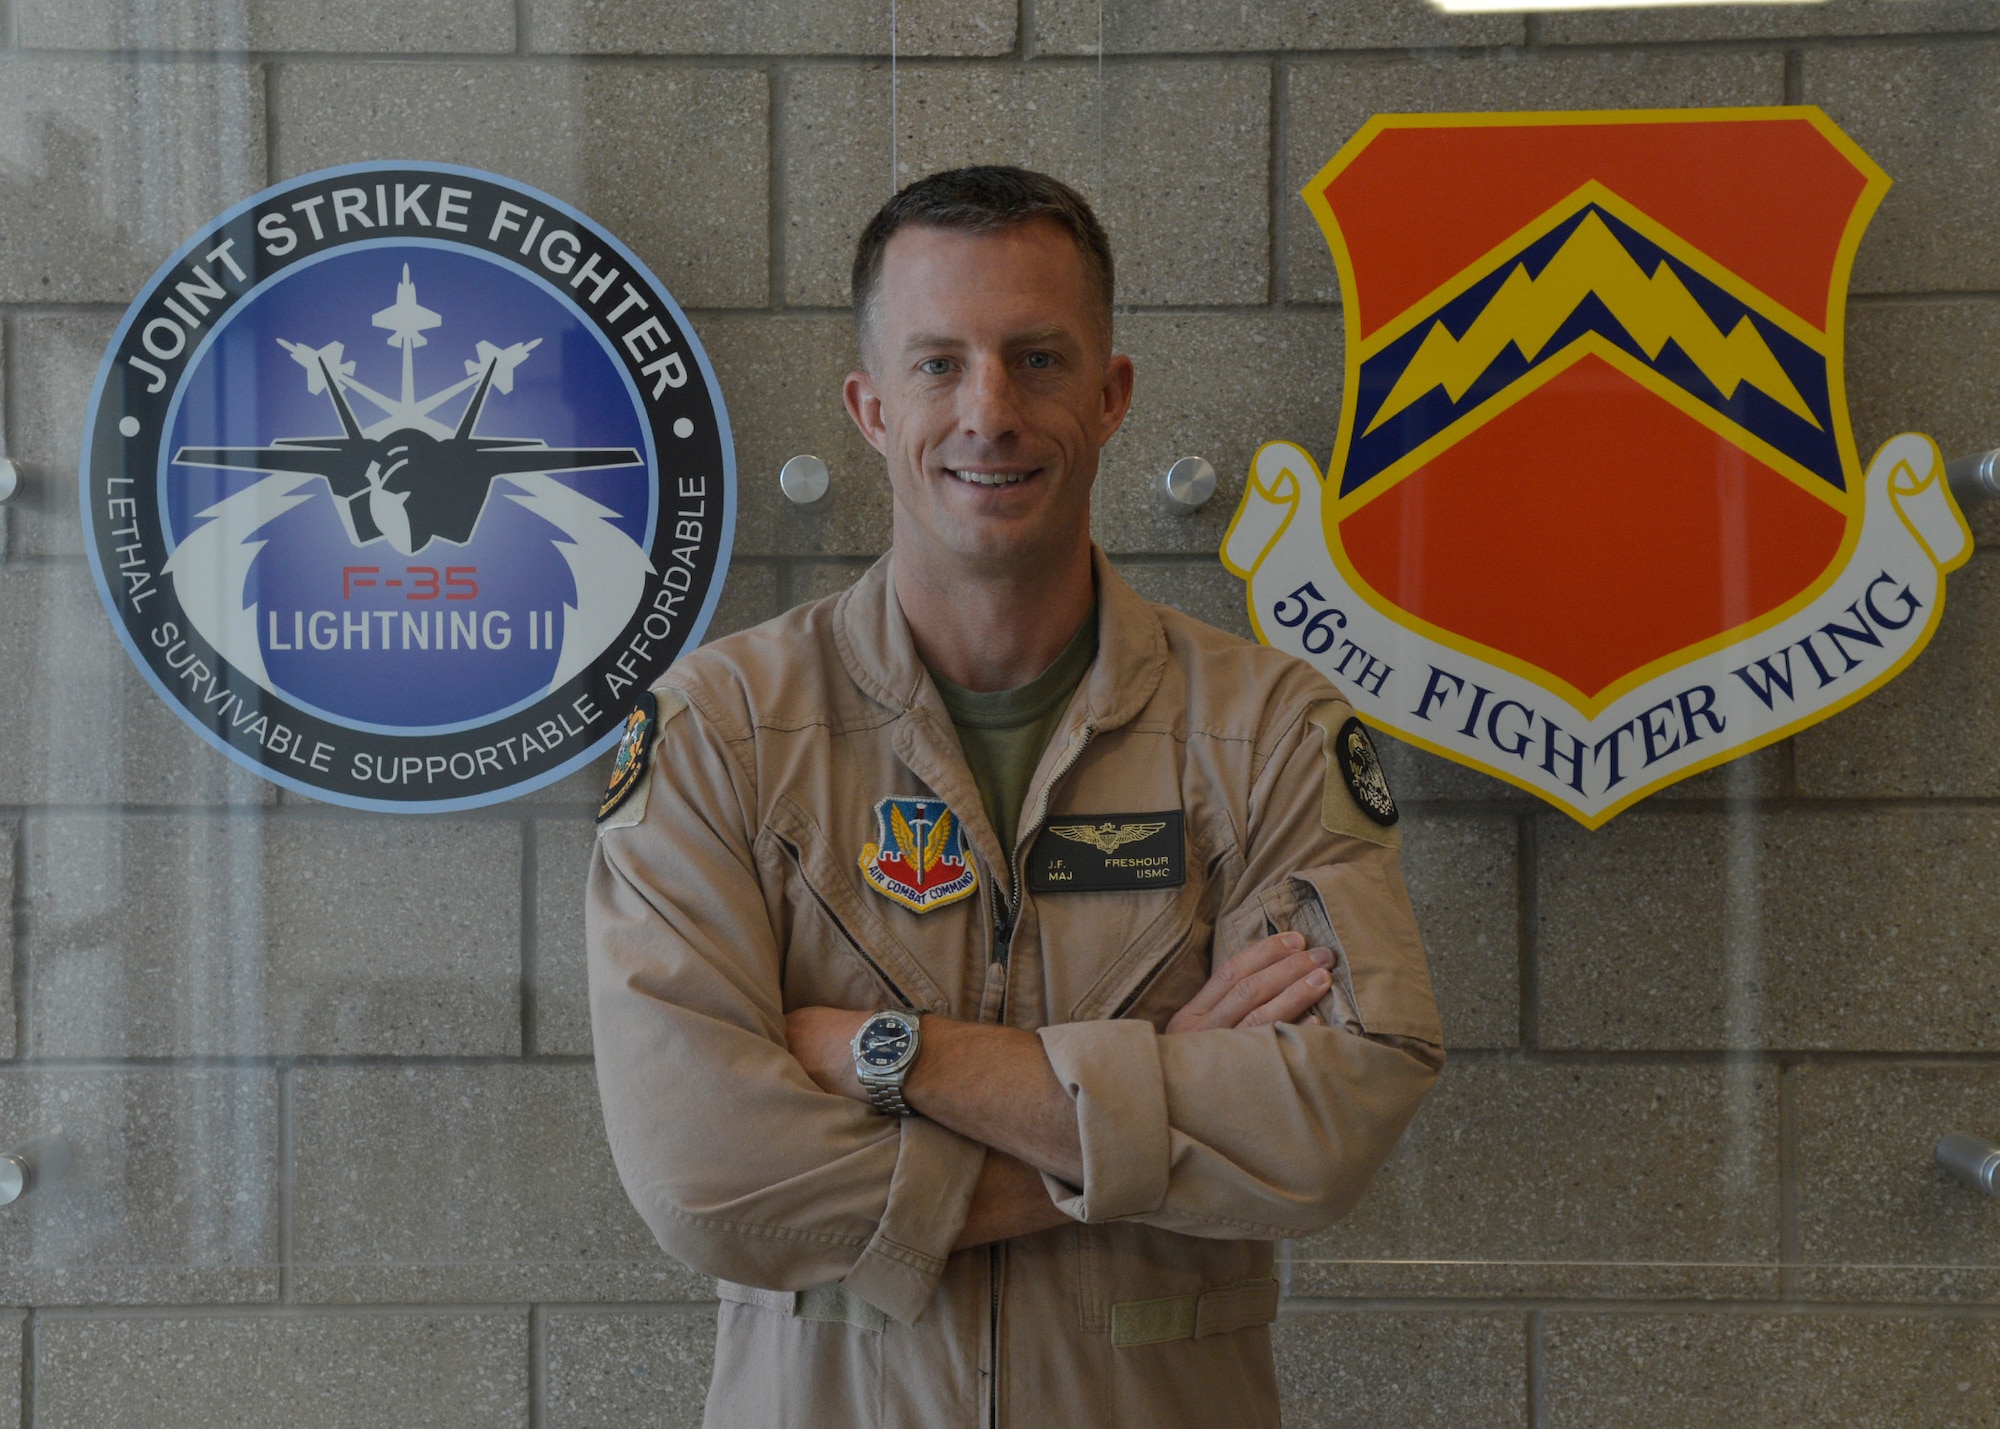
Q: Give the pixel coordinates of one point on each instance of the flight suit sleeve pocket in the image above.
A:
(1363, 905)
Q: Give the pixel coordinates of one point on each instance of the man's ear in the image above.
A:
(865, 407)
(1118, 379)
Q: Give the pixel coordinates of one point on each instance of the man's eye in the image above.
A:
(1040, 361)
(934, 366)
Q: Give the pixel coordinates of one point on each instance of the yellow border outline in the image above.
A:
(1832, 344)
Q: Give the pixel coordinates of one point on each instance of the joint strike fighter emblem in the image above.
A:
(401, 480)
(1595, 519)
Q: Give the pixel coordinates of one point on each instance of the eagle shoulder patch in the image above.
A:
(1101, 853)
(1358, 803)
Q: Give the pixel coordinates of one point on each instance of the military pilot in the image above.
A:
(989, 966)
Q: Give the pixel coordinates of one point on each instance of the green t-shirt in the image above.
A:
(1004, 732)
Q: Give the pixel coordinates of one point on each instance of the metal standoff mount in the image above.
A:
(33, 1163)
(804, 480)
(1188, 484)
(1974, 478)
(10, 479)
(1971, 1159)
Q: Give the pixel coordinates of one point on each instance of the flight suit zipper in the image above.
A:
(1006, 917)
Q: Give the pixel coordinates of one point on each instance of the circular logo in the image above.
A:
(402, 481)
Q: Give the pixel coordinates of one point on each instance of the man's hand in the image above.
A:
(1275, 980)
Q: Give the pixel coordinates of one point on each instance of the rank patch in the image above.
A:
(919, 858)
(628, 767)
(1362, 773)
(1101, 853)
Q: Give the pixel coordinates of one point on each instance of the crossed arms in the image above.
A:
(994, 1085)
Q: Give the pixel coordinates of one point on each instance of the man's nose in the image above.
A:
(989, 406)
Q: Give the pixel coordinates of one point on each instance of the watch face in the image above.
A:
(885, 1042)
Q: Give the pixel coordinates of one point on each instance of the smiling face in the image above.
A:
(990, 388)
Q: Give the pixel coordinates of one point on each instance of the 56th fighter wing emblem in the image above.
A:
(1106, 838)
(1595, 519)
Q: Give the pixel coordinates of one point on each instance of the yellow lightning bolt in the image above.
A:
(1527, 311)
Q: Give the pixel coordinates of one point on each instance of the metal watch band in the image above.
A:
(887, 1098)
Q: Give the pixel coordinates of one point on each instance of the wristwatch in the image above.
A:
(884, 1049)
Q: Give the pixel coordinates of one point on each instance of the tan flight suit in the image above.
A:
(728, 889)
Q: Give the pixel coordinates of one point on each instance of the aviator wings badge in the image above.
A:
(1595, 519)
(1107, 837)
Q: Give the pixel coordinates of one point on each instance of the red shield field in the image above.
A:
(1594, 420)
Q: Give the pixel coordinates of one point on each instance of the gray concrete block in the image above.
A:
(1172, 155)
(1680, 1371)
(174, 936)
(105, 175)
(311, 1371)
(1338, 1368)
(1216, 386)
(672, 161)
(563, 849)
(1417, 776)
(171, 1195)
(1931, 732)
(10, 839)
(1928, 367)
(11, 1360)
(78, 725)
(609, 1371)
(1615, 1180)
(1837, 930)
(1202, 589)
(1761, 22)
(782, 378)
(816, 580)
(375, 25)
(55, 362)
(1074, 26)
(1464, 881)
(1876, 1217)
(777, 27)
(1927, 114)
(749, 597)
(465, 1183)
(1329, 101)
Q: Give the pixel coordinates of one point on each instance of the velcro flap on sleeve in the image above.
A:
(1112, 1070)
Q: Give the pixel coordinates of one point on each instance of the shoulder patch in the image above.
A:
(1355, 800)
(624, 801)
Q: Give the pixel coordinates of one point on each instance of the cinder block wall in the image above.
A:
(330, 1073)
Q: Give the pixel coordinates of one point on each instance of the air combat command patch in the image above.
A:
(400, 479)
(918, 858)
(1595, 519)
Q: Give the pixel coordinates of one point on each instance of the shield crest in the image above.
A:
(1593, 434)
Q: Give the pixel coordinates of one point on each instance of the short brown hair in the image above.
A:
(979, 200)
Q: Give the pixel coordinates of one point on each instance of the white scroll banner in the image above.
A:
(1857, 633)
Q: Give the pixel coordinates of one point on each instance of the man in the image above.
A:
(987, 966)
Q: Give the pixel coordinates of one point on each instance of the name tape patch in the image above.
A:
(1101, 853)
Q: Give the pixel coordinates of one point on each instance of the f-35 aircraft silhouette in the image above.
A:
(408, 484)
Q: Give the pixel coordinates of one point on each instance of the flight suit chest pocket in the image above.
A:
(838, 950)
